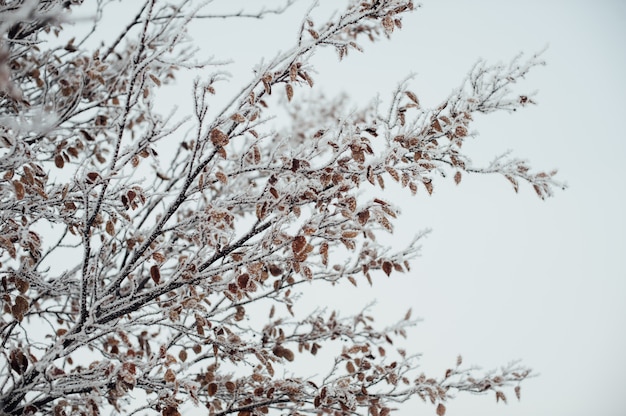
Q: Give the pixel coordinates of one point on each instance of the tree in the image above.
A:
(129, 264)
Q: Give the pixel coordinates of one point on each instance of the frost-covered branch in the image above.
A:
(178, 236)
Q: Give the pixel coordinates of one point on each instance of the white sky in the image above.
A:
(503, 275)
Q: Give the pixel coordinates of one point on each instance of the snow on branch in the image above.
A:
(140, 252)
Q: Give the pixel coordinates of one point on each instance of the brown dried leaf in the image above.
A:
(441, 409)
(429, 187)
(363, 217)
(21, 285)
(289, 90)
(212, 389)
(393, 173)
(243, 280)
(58, 161)
(298, 244)
(350, 367)
(20, 307)
(155, 80)
(457, 177)
(218, 138)
(238, 118)
(412, 97)
(19, 190)
(92, 177)
(169, 377)
(407, 316)
(110, 228)
(293, 72)
(500, 396)
(170, 411)
(324, 253)
(18, 361)
(513, 181)
(387, 267)
(221, 177)
(155, 274)
(388, 23)
(437, 126)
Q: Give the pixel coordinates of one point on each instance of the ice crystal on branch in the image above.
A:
(162, 261)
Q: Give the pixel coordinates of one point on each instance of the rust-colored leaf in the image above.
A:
(388, 23)
(169, 377)
(21, 305)
(317, 401)
(19, 190)
(218, 138)
(500, 396)
(441, 409)
(212, 389)
(457, 177)
(412, 97)
(387, 267)
(155, 274)
(298, 244)
(58, 161)
(18, 361)
(289, 91)
(21, 285)
(283, 352)
(407, 316)
(429, 187)
(170, 411)
(243, 280)
(350, 367)
(110, 228)
(92, 177)
(513, 182)
(363, 217)
(155, 80)
(437, 126)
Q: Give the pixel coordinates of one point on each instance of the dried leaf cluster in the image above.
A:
(158, 264)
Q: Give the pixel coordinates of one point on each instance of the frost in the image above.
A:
(140, 254)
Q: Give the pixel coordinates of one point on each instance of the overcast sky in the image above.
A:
(507, 276)
(502, 276)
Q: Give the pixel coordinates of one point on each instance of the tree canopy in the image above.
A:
(138, 252)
